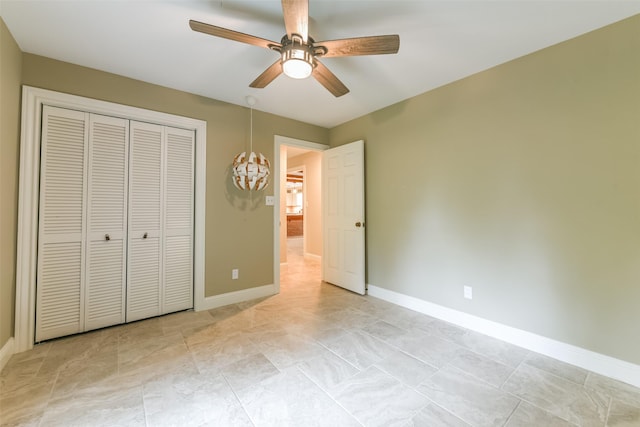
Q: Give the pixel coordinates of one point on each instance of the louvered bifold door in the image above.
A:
(145, 219)
(105, 274)
(178, 223)
(59, 290)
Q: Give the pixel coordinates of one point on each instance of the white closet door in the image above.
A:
(145, 221)
(116, 222)
(178, 224)
(105, 277)
(61, 251)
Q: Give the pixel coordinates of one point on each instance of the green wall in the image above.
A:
(10, 69)
(523, 182)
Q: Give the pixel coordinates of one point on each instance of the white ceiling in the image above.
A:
(440, 41)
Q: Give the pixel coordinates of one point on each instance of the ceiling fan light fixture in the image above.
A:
(297, 68)
(297, 60)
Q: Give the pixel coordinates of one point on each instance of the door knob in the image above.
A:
(107, 237)
(145, 235)
(358, 224)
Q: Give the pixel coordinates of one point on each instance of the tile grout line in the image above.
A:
(326, 392)
(522, 399)
(238, 399)
(509, 377)
(512, 413)
(445, 409)
(606, 419)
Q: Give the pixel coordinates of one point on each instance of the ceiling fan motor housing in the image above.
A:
(297, 57)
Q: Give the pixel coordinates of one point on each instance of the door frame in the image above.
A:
(28, 200)
(279, 141)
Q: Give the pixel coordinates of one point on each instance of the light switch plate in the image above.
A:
(468, 292)
(270, 200)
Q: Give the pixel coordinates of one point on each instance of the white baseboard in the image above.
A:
(313, 256)
(5, 353)
(238, 296)
(586, 359)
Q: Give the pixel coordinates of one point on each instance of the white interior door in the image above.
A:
(105, 275)
(145, 221)
(61, 233)
(161, 208)
(178, 221)
(343, 216)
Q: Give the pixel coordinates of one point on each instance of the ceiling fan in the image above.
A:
(299, 53)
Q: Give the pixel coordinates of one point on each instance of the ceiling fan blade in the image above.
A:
(329, 80)
(296, 17)
(231, 35)
(373, 45)
(268, 75)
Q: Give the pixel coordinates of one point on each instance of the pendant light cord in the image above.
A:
(251, 130)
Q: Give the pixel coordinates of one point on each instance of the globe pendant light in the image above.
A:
(251, 171)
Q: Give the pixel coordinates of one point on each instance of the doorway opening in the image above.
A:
(298, 242)
(295, 203)
(301, 265)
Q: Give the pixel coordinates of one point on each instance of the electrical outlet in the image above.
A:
(468, 292)
(234, 274)
(270, 200)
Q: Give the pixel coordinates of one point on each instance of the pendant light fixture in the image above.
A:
(251, 171)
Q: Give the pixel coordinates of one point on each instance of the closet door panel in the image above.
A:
(61, 245)
(59, 290)
(105, 282)
(179, 181)
(144, 279)
(178, 289)
(145, 221)
(145, 175)
(105, 291)
(178, 247)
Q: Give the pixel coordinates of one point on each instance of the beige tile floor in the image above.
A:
(312, 355)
